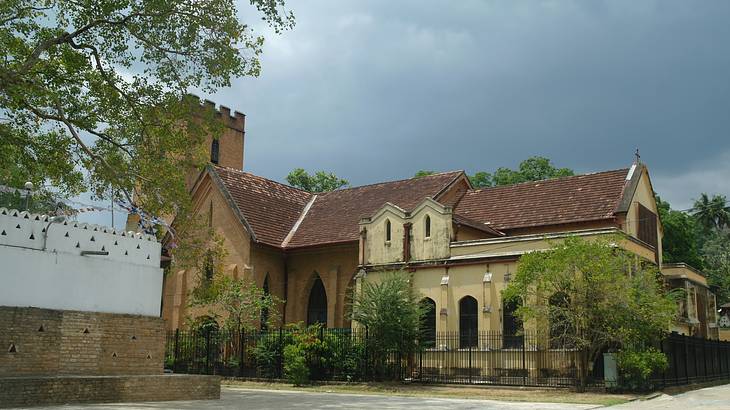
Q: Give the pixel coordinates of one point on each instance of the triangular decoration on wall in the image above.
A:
(41, 329)
(148, 256)
(102, 249)
(86, 331)
(78, 245)
(137, 246)
(114, 354)
(67, 235)
(134, 337)
(26, 216)
(126, 253)
(32, 237)
(12, 348)
(43, 230)
(115, 243)
(17, 226)
(92, 239)
(3, 234)
(149, 356)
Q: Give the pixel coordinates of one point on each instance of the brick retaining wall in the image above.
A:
(40, 391)
(60, 342)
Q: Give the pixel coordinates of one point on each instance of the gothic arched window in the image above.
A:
(428, 323)
(428, 226)
(317, 306)
(468, 322)
(387, 230)
(214, 150)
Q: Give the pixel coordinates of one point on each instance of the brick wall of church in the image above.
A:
(60, 342)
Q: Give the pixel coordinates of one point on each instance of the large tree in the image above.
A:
(593, 296)
(716, 258)
(681, 242)
(712, 212)
(92, 94)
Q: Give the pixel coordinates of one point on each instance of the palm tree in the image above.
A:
(712, 213)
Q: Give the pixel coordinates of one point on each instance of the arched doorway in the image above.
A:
(317, 306)
(428, 323)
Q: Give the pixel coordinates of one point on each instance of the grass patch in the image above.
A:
(450, 391)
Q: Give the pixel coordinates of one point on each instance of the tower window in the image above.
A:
(428, 226)
(387, 230)
(214, 151)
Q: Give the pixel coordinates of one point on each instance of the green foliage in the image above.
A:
(296, 368)
(423, 173)
(93, 94)
(712, 213)
(239, 301)
(608, 300)
(636, 367)
(319, 182)
(680, 242)
(716, 256)
(532, 169)
(390, 310)
(481, 179)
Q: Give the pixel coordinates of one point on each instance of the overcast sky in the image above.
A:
(376, 90)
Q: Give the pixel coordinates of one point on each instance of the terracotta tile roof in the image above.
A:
(564, 200)
(334, 216)
(462, 220)
(270, 208)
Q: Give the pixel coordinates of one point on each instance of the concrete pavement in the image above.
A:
(710, 398)
(237, 398)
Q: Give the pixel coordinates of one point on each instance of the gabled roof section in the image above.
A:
(580, 198)
(462, 220)
(270, 208)
(334, 216)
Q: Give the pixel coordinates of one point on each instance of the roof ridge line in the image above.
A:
(299, 221)
(551, 180)
(390, 182)
(240, 171)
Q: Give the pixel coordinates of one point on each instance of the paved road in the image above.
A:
(232, 398)
(711, 398)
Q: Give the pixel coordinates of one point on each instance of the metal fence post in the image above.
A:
(281, 352)
(524, 367)
(207, 351)
(241, 349)
(470, 339)
(176, 350)
(686, 359)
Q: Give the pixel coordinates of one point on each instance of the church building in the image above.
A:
(460, 245)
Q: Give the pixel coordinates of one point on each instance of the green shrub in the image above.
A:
(636, 367)
(296, 368)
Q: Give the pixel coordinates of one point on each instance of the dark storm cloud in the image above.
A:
(377, 90)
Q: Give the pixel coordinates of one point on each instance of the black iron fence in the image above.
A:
(344, 354)
(693, 360)
(487, 357)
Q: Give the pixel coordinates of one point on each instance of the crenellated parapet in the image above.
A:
(236, 121)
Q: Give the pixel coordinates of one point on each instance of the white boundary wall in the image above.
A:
(127, 280)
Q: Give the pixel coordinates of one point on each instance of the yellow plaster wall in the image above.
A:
(520, 245)
(467, 280)
(644, 195)
(378, 250)
(436, 246)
